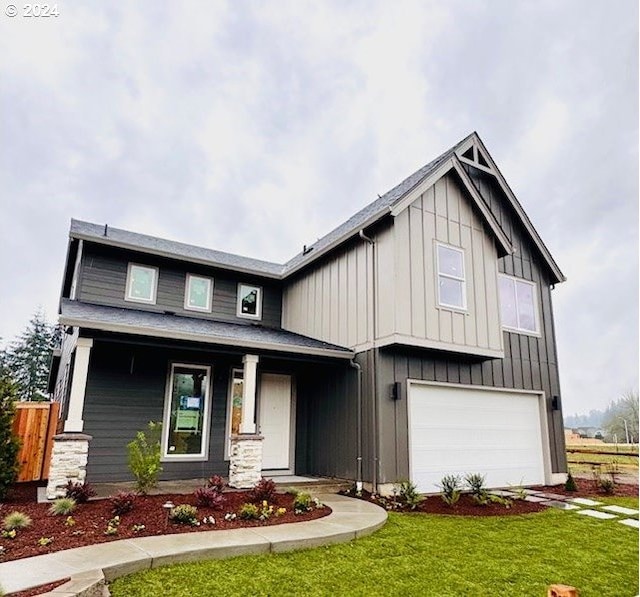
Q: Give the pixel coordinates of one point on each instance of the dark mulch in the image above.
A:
(91, 520)
(589, 488)
(40, 589)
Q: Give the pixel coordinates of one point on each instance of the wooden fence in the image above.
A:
(35, 424)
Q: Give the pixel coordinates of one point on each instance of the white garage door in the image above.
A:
(459, 430)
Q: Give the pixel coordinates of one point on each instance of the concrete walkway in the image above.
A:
(89, 566)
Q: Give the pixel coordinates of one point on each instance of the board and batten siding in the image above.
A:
(103, 279)
(331, 301)
(407, 274)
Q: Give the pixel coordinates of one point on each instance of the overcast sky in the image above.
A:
(256, 127)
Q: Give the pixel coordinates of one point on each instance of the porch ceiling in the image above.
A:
(160, 325)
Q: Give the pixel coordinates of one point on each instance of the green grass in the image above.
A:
(419, 554)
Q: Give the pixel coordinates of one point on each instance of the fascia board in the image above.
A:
(189, 336)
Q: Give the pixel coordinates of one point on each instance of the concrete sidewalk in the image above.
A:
(349, 519)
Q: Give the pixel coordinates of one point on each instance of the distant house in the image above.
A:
(413, 341)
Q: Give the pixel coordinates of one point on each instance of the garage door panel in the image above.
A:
(459, 431)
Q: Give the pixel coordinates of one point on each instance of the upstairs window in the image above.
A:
(249, 301)
(451, 280)
(518, 305)
(198, 293)
(142, 283)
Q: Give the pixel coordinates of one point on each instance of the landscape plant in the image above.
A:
(184, 514)
(249, 511)
(303, 502)
(9, 443)
(112, 526)
(62, 507)
(265, 489)
(80, 492)
(209, 497)
(122, 502)
(216, 482)
(144, 457)
(409, 495)
(44, 541)
(450, 486)
(570, 483)
(16, 520)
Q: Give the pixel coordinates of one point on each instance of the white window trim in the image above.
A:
(135, 299)
(536, 310)
(187, 293)
(239, 312)
(166, 417)
(462, 279)
(227, 442)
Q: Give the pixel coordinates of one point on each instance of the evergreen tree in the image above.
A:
(9, 443)
(29, 357)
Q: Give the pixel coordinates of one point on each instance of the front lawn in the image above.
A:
(422, 554)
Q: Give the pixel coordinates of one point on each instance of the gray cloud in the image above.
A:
(255, 130)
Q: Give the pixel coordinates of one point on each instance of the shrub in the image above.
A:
(607, 486)
(209, 497)
(184, 514)
(16, 520)
(63, 507)
(570, 483)
(450, 486)
(249, 511)
(475, 483)
(216, 482)
(144, 457)
(80, 492)
(408, 494)
(122, 502)
(302, 503)
(9, 443)
(265, 489)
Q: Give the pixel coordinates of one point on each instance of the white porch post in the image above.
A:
(247, 424)
(74, 422)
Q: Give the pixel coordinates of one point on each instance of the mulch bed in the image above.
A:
(40, 589)
(91, 520)
(589, 488)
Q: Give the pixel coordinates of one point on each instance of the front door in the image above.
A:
(275, 420)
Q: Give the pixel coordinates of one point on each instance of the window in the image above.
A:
(249, 301)
(518, 305)
(451, 283)
(142, 283)
(197, 294)
(234, 407)
(186, 413)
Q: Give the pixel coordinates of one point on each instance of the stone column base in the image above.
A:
(68, 462)
(245, 460)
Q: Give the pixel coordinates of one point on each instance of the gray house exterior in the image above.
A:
(415, 340)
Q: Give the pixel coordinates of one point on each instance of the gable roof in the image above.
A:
(391, 202)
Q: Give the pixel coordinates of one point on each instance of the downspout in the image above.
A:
(374, 369)
(358, 369)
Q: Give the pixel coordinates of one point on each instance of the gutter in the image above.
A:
(374, 369)
(358, 369)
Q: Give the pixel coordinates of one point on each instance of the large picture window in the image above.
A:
(518, 305)
(249, 301)
(198, 293)
(142, 283)
(186, 414)
(451, 279)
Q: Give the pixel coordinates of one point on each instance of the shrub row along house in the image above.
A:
(413, 341)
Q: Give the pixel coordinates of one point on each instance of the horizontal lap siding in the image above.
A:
(104, 276)
(124, 395)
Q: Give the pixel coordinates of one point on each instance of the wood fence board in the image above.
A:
(35, 423)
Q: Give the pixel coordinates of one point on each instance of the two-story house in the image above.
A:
(413, 341)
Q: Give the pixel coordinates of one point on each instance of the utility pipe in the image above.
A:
(374, 368)
(358, 369)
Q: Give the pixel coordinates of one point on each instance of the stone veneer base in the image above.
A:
(68, 462)
(245, 461)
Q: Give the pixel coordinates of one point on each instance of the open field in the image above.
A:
(582, 458)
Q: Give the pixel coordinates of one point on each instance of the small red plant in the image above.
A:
(264, 490)
(80, 492)
(216, 482)
(122, 502)
(209, 497)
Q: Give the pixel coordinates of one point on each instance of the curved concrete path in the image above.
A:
(89, 566)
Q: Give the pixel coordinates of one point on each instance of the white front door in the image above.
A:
(275, 420)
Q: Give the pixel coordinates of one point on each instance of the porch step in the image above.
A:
(314, 486)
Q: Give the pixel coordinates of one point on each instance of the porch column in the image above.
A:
(74, 422)
(248, 425)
